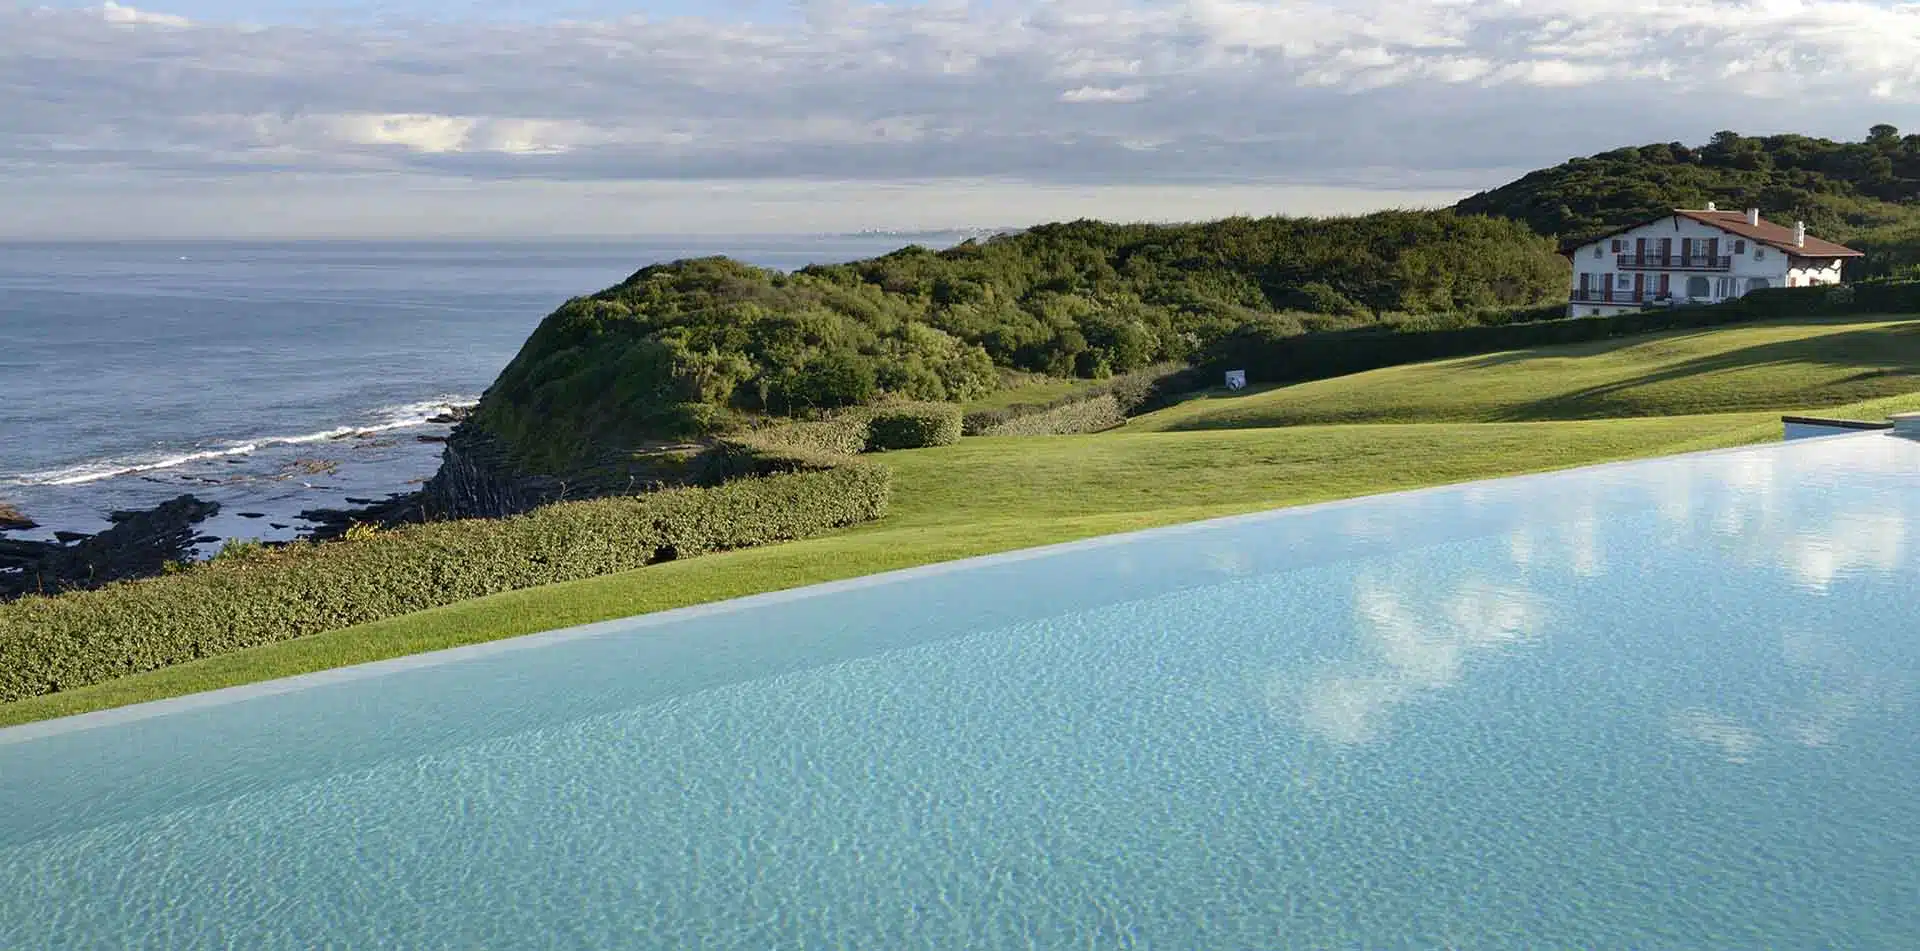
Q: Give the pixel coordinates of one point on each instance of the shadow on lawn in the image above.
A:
(1877, 353)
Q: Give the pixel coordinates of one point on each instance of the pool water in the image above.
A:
(1663, 704)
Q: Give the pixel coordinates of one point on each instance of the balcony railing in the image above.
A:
(1596, 295)
(1675, 262)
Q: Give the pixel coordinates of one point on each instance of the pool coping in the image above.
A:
(222, 696)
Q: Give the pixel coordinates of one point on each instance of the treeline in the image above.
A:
(696, 347)
(1865, 194)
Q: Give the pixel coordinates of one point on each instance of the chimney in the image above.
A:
(1710, 207)
(1753, 217)
(1799, 234)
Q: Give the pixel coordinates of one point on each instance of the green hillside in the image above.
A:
(1866, 194)
(1802, 364)
(691, 348)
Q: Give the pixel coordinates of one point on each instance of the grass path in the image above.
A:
(979, 497)
(1804, 363)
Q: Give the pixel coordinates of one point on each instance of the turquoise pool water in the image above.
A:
(1668, 704)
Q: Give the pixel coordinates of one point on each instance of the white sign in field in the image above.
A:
(1236, 379)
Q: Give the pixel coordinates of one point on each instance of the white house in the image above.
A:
(1697, 257)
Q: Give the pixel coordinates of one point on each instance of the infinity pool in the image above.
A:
(1666, 704)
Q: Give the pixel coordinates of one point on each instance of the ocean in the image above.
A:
(274, 378)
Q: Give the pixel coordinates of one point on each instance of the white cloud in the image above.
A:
(1105, 94)
(1407, 651)
(115, 13)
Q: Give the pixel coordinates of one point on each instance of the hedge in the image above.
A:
(1089, 410)
(1283, 358)
(912, 426)
(1089, 415)
(48, 644)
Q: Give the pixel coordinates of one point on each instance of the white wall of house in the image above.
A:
(1804, 272)
(1751, 262)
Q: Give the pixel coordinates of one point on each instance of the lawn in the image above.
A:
(1806, 364)
(988, 495)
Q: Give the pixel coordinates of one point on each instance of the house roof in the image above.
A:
(1735, 222)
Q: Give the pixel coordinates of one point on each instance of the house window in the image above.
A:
(1619, 245)
(1759, 254)
(1723, 287)
(1756, 283)
(1739, 247)
(1593, 311)
(1597, 251)
(1622, 282)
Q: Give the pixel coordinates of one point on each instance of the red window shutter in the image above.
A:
(1663, 283)
(1639, 286)
(1584, 277)
(1640, 250)
(1686, 247)
(1666, 249)
(1713, 250)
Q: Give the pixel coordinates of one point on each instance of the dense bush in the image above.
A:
(844, 434)
(254, 597)
(1088, 415)
(915, 426)
(1091, 409)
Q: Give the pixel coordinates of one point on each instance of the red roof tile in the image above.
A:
(1768, 233)
(1735, 222)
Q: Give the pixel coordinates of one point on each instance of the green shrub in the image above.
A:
(1077, 416)
(844, 435)
(1089, 410)
(913, 426)
(48, 644)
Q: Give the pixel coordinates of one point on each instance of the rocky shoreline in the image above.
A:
(142, 541)
(475, 479)
(138, 545)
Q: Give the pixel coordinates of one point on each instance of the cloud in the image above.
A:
(1454, 95)
(1105, 94)
(115, 13)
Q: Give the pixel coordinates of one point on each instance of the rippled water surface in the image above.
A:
(1668, 704)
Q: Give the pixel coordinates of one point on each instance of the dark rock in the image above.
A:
(275, 525)
(353, 501)
(139, 544)
(205, 539)
(251, 514)
(401, 508)
(10, 518)
(423, 437)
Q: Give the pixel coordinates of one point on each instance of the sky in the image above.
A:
(455, 118)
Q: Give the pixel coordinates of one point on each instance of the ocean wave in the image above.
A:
(402, 416)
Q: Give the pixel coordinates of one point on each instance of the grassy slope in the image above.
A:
(989, 495)
(1802, 364)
